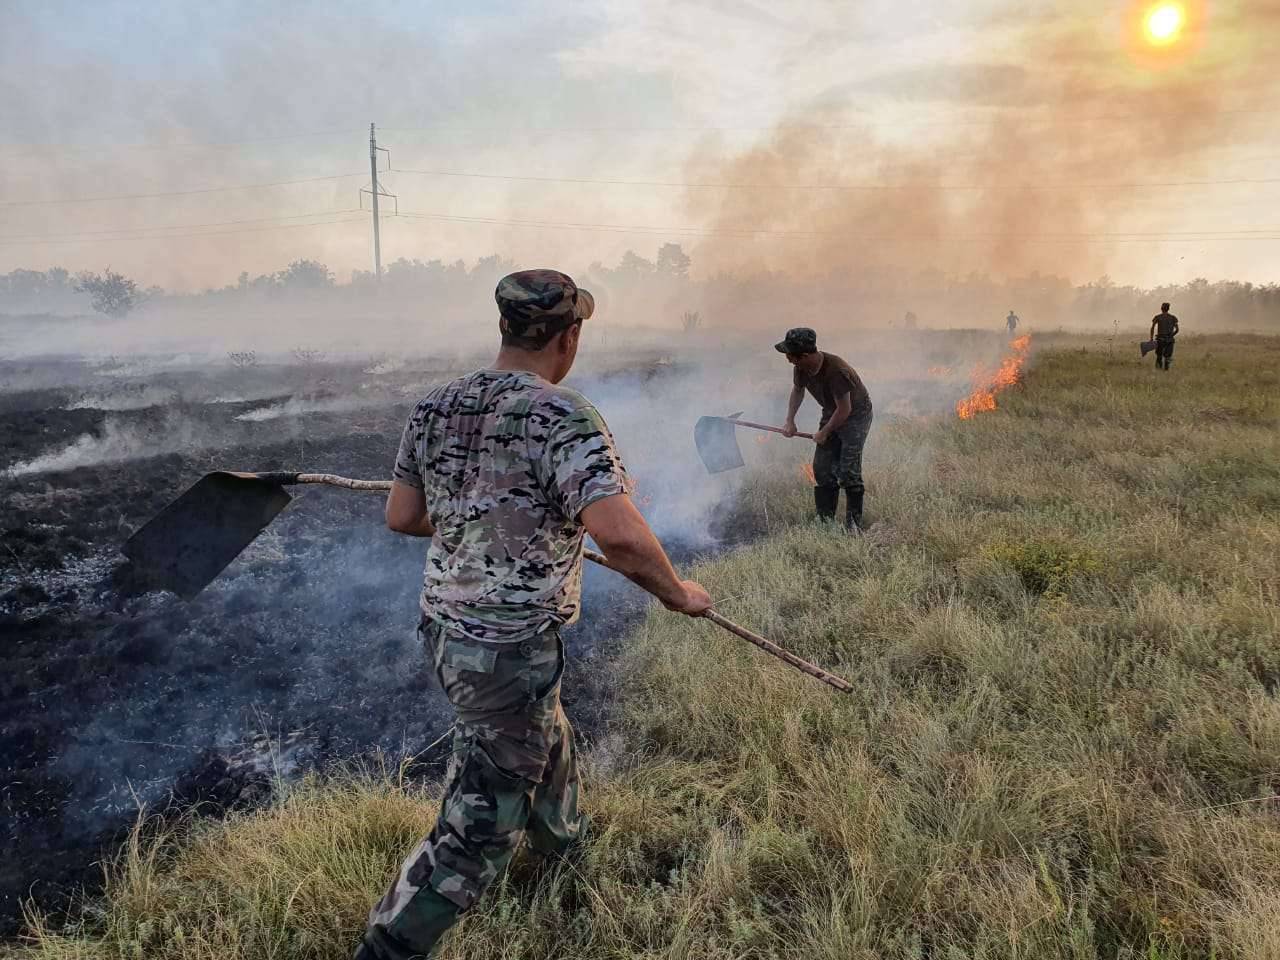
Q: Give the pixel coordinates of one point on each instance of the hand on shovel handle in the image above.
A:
(768, 646)
(765, 426)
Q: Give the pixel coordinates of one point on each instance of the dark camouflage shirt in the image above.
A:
(507, 461)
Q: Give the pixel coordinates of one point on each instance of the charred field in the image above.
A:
(301, 655)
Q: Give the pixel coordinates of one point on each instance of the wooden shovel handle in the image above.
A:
(765, 426)
(768, 646)
(333, 480)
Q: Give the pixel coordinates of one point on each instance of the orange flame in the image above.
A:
(983, 397)
(806, 471)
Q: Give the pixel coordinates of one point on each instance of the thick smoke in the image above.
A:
(1045, 188)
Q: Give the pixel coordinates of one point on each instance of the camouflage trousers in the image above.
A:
(1164, 353)
(513, 775)
(838, 462)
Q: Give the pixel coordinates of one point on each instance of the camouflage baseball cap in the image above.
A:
(539, 303)
(798, 340)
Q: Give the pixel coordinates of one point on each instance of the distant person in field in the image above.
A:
(504, 470)
(843, 429)
(1164, 327)
(1011, 322)
(910, 321)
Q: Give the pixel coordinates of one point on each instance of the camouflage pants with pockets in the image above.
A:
(513, 774)
(838, 462)
(1164, 353)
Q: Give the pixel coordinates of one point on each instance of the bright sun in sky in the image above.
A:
(1164, 23)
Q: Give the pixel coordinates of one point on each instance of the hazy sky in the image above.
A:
(989, 136)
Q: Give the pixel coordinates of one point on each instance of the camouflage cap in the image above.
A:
(538, 303)
(798, 340)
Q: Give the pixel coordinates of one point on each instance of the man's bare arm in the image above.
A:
(407, 511)
(793, 407)
(630, 546)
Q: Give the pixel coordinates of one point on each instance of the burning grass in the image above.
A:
(1064, 742)
(986, 384)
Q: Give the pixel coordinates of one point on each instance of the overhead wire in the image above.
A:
(122, 232)
(905, 185)
(180, 193)
(76, 239)
(746, 233)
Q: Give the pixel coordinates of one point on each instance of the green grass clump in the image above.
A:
(1064, 740)
(1045, 568)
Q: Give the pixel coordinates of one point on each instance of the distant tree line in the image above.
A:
(661, 292)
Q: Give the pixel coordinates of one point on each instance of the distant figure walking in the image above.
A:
(1164, 327)
(1011, 321)
(909, 321)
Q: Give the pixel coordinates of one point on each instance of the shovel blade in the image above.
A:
(717, 444)
(188, 543)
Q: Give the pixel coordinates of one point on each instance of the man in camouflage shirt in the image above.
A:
(504, 470)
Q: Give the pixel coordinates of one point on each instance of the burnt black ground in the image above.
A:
(106, 700)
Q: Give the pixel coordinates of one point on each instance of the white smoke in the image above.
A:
(296, 407)
(117, 442)
(137, 397)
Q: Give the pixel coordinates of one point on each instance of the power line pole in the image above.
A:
(373, 175)
(375, 192)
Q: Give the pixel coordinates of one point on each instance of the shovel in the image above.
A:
(717, 440)
(186, 545)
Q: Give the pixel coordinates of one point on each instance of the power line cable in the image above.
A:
(182, 236)
(836, 186)
(123, 232)
(835, 235)
(1055, 119)
(177, 193)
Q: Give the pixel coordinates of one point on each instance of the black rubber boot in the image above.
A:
(825, 499)
(853, 511)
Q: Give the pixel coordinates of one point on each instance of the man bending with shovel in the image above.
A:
(842, 432)
(504, 470)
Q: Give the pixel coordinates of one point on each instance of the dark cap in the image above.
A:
(798, 340)
(535, 304)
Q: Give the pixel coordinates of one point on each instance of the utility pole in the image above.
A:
(375, 192)
(373, 175)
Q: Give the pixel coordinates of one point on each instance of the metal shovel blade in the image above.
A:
(717, 444)
(187, 544)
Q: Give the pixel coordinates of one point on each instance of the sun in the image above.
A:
(1163, 23)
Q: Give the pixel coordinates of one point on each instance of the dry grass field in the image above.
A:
(1064, 741)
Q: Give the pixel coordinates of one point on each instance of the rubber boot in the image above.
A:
(853, 511)
(825, 500)
(422, 923)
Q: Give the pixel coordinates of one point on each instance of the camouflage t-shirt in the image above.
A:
(506, 461)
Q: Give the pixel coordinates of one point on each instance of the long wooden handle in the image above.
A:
(768, 646)
(765, 426)
(333, 480)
